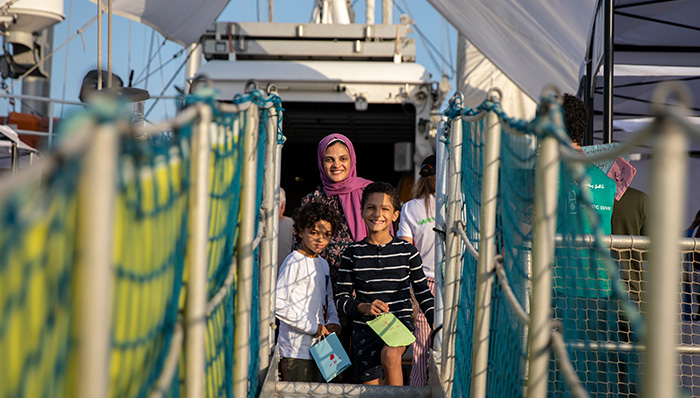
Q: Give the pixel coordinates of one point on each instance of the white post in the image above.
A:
(487, 253)
(386, 11)
(669, 176)
(194, 61)
(440, 198)
(97, 191)
(540, 327)
(197, 258)
(268, 248)
(453, 256)
(244, 267)
(369, 12)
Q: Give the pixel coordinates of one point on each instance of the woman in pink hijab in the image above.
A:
(342, 190)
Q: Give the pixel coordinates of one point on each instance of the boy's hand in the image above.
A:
(321, 331)
(333, 328)
(375, 308)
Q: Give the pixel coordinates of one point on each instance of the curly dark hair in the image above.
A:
(385, 188)
(307, 215)
(575, 117)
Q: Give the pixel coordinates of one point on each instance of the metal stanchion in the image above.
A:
(487, 253)
(197, 258)
(241, 340)
(540, 326)
(453, 256)
(96, 195)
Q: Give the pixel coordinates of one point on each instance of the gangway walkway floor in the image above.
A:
(304, 390)
(274, 388)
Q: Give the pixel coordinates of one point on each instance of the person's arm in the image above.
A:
(420, 286)
(344, 301)
(288, 310)
(405, 231)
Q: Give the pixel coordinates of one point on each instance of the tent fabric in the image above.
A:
(477, 75)
(534, 42)
(182, 21)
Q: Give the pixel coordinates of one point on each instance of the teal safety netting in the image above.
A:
(150, 238)
(588, 296)
(38, 250)
(508, 346)
(40, 240)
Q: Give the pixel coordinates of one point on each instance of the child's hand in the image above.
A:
(333, 328)
(376, 308)
(322, 331)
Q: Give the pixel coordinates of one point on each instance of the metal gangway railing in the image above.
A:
(130, 267)
(506, 257)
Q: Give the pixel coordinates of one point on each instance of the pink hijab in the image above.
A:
(349, 191)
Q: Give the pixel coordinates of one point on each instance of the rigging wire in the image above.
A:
(159, 68)
(427, 41)
(179, 69)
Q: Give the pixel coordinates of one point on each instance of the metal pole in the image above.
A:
(15, 158)
(197, 259)
(608, 67)
(386, 11)
(669, 192)
(109, 43)
(241, 340)
(453, 256)
(99, 44)
(369, 12)
(97, 191)
(275, 248)
(440, 199)
(540, 327)
(271, 10)
(194, 61)
(487, 253)
(270, 219)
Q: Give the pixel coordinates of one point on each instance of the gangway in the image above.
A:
(133, 269)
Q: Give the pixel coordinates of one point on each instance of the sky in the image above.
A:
(134, 44)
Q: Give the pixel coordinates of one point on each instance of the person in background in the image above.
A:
(304, 303)
(380, 270)
(416, 227)
(284, 238)
(582, 290)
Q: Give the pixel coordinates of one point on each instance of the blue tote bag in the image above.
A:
(330, 357)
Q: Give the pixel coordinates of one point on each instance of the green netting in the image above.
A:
(508, 343)
(38, 250)
(472, 169)
(150, 238)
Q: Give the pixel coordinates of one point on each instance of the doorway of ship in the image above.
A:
(373, 132)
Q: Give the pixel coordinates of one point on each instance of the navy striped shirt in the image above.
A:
(384, 272)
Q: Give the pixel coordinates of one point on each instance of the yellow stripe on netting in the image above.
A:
(151, 209)
(38, 256)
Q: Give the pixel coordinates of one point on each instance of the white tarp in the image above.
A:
(182, 21)
(476, 75)
(534, 42)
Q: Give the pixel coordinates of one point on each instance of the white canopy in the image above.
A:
(534, 42)
(182, 21)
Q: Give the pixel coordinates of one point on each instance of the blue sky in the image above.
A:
(134, 44)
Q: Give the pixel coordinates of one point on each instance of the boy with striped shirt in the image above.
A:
(381, 270)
